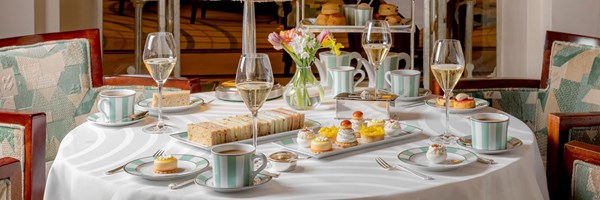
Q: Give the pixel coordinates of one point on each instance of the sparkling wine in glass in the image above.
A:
(377, 41)
(254, 80)
(447, 65)
(160, 59)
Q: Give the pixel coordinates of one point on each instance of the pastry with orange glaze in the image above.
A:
(345, 137)
(321, 144)
(464, 101)
(165, 164)
(357, 122)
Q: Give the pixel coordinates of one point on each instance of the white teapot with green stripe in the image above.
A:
(328, 60)
(391, 62)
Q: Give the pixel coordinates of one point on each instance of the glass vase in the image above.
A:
(304, 91)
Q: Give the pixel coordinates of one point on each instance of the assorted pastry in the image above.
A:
(331, 14)
(305, 137)
(236, 128)
(321, 144)
(357, 122)
(166, 164)
(460, 101)
(392, 127)
(389, 13)
(345, 137)
(436, 153)
(172, 98)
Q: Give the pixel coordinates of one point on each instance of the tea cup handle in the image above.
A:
(387, 77)
(357, 56)
(406, 58)
(362, 76)
(101, 108)
(264, 163)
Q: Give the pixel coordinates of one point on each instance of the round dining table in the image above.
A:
(89, 150)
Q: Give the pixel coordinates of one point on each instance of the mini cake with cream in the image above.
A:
(305, 136)
(357, 121)
(165, 164)
(345, 137)
(441, 101)
(321, 144)
(391, 127)
(371, 134)
(436, 153)
(464, 101)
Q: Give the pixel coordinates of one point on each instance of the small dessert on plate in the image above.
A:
(376, 122)
(392, 127)
(441, 101)
(345, 137)
(357, 121)
(172, 98)
(305, 137)
(320, 144)
(329, 132)
(464, 101)
(436, 153)
(371, 134)
(165, 164)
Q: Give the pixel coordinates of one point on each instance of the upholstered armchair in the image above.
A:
(57, 77)
(570, 82)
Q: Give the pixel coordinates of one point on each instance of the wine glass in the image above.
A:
(377, 41)
(160, 58)
(447, 65)
(254, 80)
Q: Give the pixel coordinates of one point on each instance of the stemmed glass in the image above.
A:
(447, 65)
(159, 57)
(254, 80)
(377, 41)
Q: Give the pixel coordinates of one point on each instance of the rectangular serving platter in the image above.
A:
(408, 131)
(309, 23)
(183, 136)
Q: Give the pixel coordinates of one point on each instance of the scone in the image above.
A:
(331, 8)
(165, 164)
(393, 19)
(322, 19)
(305, 137)
(463, 101)
(388, 9)
(320, 144)
(345, 137)
(336, 19)
(371, 134)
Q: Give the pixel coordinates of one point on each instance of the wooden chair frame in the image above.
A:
(576, 150)
(10, 168)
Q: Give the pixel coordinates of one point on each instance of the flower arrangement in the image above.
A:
(301, 93)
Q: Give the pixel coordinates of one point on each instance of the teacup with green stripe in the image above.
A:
(328, 60)
(362, 16)
(349, 13)
(116, 105)
(233, 165)
(343, 79)
(489, 131)
(404, 82)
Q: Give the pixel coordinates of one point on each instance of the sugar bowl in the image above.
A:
(283, 161)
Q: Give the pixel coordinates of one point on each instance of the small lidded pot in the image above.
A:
(283, 161)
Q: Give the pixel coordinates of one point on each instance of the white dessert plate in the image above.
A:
(479, 104)
(183, 136)
(291, 144)
(416, 157)
(206, 179)
(422, 94)
(98, 118)
(512, 143)
(187, 165)
(146, 104)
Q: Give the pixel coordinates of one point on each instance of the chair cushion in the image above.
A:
(589, 134)
(11, 141)
(5, 189)
(586, 181)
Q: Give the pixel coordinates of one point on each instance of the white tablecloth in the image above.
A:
(90, 150)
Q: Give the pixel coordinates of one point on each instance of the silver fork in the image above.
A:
(387, 166)
(119, 168)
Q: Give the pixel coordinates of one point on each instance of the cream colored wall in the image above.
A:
(576, 16)
(16, 18)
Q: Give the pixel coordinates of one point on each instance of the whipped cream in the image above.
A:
(436, 153)
(357, 124)
(392, 124)
(305, 136)
(461, 96)
(346, 135)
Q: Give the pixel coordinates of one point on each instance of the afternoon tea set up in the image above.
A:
(362, 119)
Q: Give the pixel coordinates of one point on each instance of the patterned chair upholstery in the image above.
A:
(586, 181)
(582, 172)
(61, 78)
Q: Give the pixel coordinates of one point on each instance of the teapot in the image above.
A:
(329, 60)
(391, 62)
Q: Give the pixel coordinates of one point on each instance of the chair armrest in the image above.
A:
(486, 83)
(191, 84)
(34, 163)
(10, 168)
(559, 125)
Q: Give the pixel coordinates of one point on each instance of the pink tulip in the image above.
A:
(324, 35)
(287, 36)
(275, 40)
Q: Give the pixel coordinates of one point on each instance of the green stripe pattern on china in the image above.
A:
(232, 171)
(489, 136)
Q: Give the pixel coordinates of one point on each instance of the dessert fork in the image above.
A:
(119, 168)
(387, 166)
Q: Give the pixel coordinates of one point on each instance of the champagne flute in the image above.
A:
(160, 58)
(377, 41)
(254, 80)
(447, 65)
